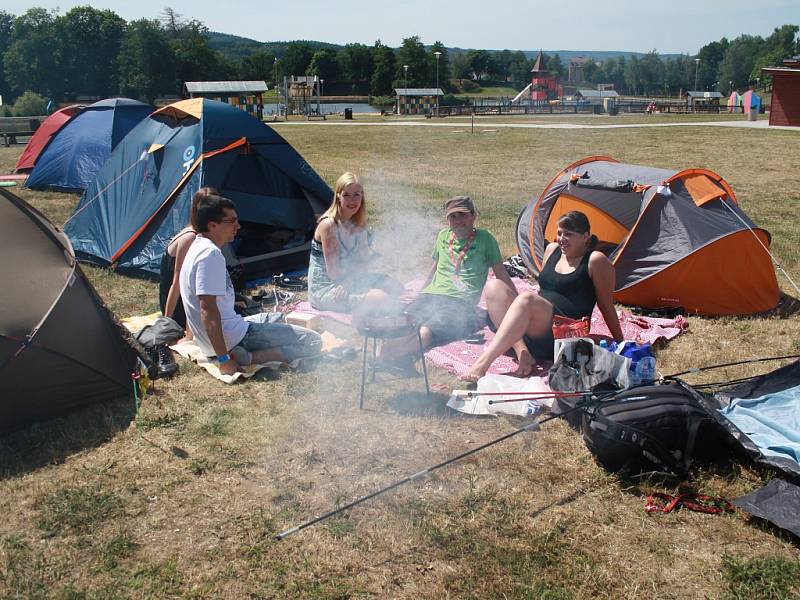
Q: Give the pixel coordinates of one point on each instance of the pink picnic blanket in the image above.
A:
(458, 357)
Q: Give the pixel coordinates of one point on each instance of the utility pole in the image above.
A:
(405, 90)
(438, 56)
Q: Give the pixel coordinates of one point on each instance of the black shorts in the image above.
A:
(541, 348)
(447, 318)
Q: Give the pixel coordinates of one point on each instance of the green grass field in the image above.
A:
(187, 504)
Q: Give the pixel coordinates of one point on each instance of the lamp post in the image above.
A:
(321, 90)
(730, 86)
(275, 69)
(405, 90)
(696, 65)
(438, 56)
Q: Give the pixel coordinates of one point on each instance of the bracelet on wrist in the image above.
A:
(223, 358)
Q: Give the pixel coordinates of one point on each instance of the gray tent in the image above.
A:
(60, 347)
(676, 238)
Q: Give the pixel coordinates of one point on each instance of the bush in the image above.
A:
(451, 100)
(30, 104)
(467, 85)
(381, 101)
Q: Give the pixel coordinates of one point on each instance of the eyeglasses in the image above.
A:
(231, 220)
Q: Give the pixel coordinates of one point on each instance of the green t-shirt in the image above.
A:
(474, 267)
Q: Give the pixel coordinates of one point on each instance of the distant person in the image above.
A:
(208, 299)
(338, 272)
(573, 279)
(447, 307)
(169, 292)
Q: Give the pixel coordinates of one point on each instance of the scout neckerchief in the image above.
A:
(457, 260)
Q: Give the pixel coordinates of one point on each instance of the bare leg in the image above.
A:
(529, 314)
(499, 298)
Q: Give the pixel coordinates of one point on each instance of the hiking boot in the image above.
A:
(164, 361)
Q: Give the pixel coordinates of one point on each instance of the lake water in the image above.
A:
(334, 108)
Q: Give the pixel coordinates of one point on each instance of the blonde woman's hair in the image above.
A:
(335, 211)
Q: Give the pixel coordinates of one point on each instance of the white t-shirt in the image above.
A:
(204, 274)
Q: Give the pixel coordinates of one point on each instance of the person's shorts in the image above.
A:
(541, 347)
(447, 318)
(293, 341)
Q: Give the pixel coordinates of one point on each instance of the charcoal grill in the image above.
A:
(386, 327)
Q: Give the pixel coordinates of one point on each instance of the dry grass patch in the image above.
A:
(187, 505)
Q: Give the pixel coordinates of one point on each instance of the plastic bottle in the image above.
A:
(643, 364)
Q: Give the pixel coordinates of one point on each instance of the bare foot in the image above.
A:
(475, 373)
(525, 364)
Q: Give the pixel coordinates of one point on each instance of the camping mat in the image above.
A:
(19, 177)
(458, 357)
(772, 422)
(8, 183)
(190, 350)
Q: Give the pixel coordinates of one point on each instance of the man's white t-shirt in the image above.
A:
(204, 274)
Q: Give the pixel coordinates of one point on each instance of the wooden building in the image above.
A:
(246, 95)
(416, 101)
(785, 106)
(702, 101)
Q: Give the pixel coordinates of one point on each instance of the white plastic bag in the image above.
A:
(479, 405)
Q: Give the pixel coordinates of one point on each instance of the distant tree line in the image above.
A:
(93, 52)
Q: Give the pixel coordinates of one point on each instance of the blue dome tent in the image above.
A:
(142, 196)
(76, 153)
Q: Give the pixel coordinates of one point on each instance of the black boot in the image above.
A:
(165, 363)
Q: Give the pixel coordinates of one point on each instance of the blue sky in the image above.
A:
(669, 27)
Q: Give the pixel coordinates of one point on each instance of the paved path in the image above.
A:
(483, 125)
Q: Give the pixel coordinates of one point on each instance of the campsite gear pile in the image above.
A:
(673, 236)
(156, 339)
(385, 327)
(142, 196)
(60, 347)
(580, 365)
(652, 429)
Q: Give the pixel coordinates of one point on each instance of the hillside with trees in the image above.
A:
(91, 53)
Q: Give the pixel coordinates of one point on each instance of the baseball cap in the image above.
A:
(459, 204)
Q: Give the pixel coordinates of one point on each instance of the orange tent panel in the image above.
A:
(702, 189)
(748, 286)
(606, 228)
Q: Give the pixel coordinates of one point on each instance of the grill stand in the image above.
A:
(386, 334)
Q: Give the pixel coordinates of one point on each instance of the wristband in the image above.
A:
(223, 358)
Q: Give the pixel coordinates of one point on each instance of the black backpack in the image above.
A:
(653, 429)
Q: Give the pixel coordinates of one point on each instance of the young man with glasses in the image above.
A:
(208, 298)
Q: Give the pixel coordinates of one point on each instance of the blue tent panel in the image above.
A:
(78, 151)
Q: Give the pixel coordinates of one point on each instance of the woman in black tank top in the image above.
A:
(573, 279)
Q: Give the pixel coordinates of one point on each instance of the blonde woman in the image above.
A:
(338, 276)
